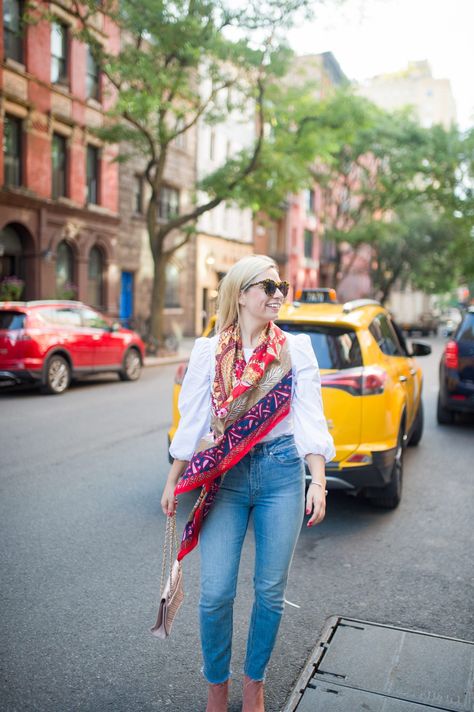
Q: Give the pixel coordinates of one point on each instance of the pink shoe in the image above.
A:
(253, 695)
(217, 697)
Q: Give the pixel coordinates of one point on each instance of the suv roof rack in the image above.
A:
(358, 304)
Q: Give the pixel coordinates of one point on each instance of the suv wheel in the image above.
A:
(443, 415)
(389, 496)
(132, 366)
(417, 431)
(57, 377)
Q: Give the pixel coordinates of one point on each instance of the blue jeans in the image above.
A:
(268, 483)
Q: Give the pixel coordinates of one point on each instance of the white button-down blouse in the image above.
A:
(305, 420)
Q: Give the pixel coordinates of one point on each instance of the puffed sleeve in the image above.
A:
(194, 402)
(310, 428)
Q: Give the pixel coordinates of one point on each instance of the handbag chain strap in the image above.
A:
(170, 550)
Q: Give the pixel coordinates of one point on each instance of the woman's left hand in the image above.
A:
(315, 504)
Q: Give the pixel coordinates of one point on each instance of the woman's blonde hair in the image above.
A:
(240, 275)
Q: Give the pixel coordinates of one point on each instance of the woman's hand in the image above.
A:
(316, 495)
(168, 500)
(315, 504)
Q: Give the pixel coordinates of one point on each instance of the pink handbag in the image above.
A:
(172, 593)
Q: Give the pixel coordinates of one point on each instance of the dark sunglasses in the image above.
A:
(270, 287)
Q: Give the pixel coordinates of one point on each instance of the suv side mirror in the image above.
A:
(115, 326)
(419, 349)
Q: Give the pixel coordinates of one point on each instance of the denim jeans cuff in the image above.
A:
(215, 682)
(255, 678)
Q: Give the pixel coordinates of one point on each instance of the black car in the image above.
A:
(456, 372)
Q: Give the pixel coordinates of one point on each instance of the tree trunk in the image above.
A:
(158, 300)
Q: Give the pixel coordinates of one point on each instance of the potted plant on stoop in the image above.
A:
(11, 289)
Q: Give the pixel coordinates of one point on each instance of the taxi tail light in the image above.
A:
(374, 381)
(357, 381)
(349, 380)
(180, 373)
(451, 355)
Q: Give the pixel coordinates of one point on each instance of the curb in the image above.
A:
(165, 360)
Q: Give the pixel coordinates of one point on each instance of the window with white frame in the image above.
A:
(59, 53)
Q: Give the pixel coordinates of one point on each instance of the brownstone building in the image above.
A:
(59, 188)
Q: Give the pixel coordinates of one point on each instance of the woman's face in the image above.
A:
(259, 305)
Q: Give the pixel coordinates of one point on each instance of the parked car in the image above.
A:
(52, 342)
(456, 372)
(450, 320)
(371, 388)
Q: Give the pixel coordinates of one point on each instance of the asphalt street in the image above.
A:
(81, 525)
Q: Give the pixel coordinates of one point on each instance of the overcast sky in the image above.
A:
(370, 37)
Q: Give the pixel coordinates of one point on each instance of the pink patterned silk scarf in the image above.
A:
(247, 401)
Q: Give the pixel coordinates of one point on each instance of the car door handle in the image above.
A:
(402, 379)
(413, 371)
(96, 337)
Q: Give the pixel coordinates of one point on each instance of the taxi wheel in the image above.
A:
(417, 431)
(57, 376)
(389, 496)
(132, 366)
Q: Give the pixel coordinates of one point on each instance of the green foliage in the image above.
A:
(404, 189)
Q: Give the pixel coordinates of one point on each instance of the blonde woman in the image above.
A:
(251, 413)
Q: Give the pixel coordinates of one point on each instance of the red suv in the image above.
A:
(52, 342)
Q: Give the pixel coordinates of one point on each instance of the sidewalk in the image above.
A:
(182, 355)
(359, 665)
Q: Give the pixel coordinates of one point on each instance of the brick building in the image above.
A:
(59, 188)
(134, 253)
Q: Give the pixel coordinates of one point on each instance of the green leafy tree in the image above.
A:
(404, 189)
(167, 51)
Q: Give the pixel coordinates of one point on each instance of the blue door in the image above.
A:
(126, 298)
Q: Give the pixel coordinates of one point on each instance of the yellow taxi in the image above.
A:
(371, 389)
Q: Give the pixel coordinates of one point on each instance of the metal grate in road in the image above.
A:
(371, 667)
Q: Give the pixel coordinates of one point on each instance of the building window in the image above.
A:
(172, 299)
(92, 76)
(168, 203)
(95, 278)
(12, 150)
(59, 69)
(59, 166)
(138, 197)
(180, 140)
(12, 29)
(308, 244)
(64, 269)
(212, 145)
(309, 201)
(92, 174)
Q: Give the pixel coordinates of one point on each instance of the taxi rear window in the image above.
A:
(335, 347)
(11, 320)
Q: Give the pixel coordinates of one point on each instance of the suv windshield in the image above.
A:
(11, 320)
(335, 347)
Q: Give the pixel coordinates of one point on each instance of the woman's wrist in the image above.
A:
(318, 484)
(177, 469)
